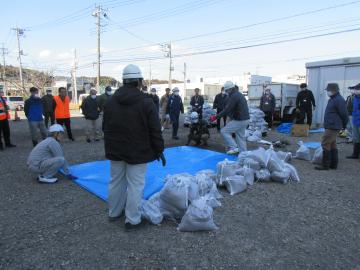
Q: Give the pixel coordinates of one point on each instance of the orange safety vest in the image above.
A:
(4, 113)
(62, 109)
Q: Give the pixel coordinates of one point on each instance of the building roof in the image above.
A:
(334, 62)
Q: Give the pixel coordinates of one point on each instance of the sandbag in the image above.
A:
(235, 184)
(253, 164)
(303, 152)
(198, 217)
(242, 156)
(285, 156)
(204, 183)
(263, 175)
(318, 155)
(275, 163)
(209, 173)
(212, 201)
(280, 176)
(261, 156)
(293, 172)
(248, 174)
(224, 169)
(150, 209)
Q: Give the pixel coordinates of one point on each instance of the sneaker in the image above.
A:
(43, 179)
(88, 140)
(233, 151)
(132, 227)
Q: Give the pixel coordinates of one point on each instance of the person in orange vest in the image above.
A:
(4, 122)
(62, 111)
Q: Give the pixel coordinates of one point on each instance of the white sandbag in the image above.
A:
(253, 164)
(261, 156)
(204, 183)
(214, 192)
(285, 156)
(263, 175)
(275, 163)
(198, 217)
(224, 169)
(318, 155)
(280, 176)
(248, 174)
(174, 197)
(303, 152)
(235, 184)
(210, 173)
(150, 209)
(212, 201)
(253, 138)
(293, 172)
(242, 156)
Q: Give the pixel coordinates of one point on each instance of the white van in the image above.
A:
(15, 102)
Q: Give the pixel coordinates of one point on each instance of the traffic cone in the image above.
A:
(16, 116)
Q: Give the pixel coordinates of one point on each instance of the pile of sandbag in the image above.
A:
(185, 197)
(303, 152)
(257, 125)
(207, 112)
(258, 165)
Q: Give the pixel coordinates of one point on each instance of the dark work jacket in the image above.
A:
(33, 109)
(336, 116)
(356, 111)
(156, 100)
(267, 103)
(90, 108)
(174, 107)
(236, 107)
(197, 130)
(349, 104)
(305, 99)
(220, 102)
(197, 102)
(48, 103)
(132, 130)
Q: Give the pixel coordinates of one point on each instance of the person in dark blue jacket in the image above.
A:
(355, 121)
(34, 111)
(335, 119)
(174, 108)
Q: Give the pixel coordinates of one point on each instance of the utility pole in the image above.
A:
(149, 83)
(168, 53)
(98, 13)
(4, 52)
(184, 79)
(20, 32)
(75, 97)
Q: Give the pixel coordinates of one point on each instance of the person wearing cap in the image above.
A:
(267, 105)
(91, 111)
(163, 105)
(49, 107)
(219, 104)
(47, 157)
(305, 104)
(34, 111)
(103, 98)
(155, 98)
(335, 119)
(197, 102)
(4, 122)
(62, 111)
(355, 121)
(237, 110)
(174, 108)
(133, 138)
(199, 132)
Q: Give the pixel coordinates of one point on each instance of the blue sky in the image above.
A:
(49, 45)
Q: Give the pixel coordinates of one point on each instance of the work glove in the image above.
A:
(71, 177)
(163, 160)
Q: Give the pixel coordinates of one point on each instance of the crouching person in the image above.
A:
(199, 132)
(47, 157)
(132, 135)
(335, 119)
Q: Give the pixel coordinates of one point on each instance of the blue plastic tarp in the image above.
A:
(312, 145)
(319, 130)
(285, 128)
(95, 176)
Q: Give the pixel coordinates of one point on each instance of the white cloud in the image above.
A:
(44, 53)
(65, 55)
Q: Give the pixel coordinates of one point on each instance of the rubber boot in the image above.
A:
(334, 159)
(325, 161)
(356, 152)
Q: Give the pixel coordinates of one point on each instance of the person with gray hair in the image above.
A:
(335, 119)
(47, 157)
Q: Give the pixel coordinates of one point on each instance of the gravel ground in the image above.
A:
(310, 225)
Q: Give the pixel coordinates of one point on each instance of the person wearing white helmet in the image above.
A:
(174, 108)
(47, 157)
(237, 110)
(133, 138)
(199, 132)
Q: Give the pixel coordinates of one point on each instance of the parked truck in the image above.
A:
(344, 71)
(285, 95)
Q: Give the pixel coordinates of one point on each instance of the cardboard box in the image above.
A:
(300, 130)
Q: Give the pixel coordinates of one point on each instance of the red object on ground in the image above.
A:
(213, 118)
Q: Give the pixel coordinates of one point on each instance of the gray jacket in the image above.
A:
(46, 149)
(336, 115)
(236, 107)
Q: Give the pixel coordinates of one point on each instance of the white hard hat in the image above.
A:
(175, 89)
(228, 85)
(56, 128)
(132, 72)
